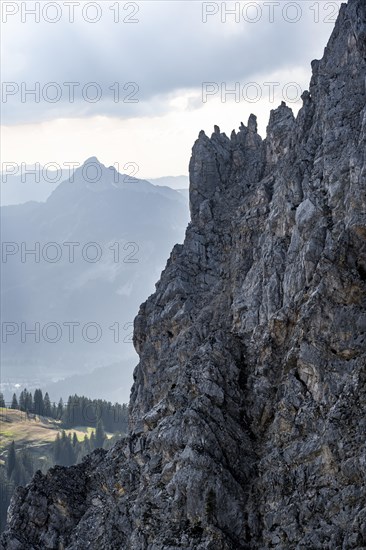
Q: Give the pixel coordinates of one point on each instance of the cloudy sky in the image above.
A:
(136, 81)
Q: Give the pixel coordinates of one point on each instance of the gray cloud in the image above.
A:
(169, 49)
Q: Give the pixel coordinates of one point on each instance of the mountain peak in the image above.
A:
(92, 160)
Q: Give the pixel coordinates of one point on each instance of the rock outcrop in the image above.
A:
(247, 413)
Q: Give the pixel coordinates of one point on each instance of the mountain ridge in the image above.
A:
(31, 190)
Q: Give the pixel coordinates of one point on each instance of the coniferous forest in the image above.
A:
(102, 422)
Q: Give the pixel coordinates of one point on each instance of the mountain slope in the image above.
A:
(28, 186)
(248, 407)
(175, 182)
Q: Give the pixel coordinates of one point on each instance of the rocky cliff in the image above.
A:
(248, 408)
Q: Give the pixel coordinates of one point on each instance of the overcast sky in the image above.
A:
(136, 76)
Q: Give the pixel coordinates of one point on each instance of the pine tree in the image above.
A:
(14, 403)
(74, 440)
(47, 405)
(54, 410)
(68, 456)
(26, 401)
(92, 441)
(19, 476)
(22, 400)
(2, 401)
(29, 402)
(57, 449)
(38, 403)
(11, 460)
(60, 409)
(85, 447)
(99, 435)
(64, 452)
(26, 459)
(68, 416)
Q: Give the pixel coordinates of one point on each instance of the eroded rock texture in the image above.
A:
(248, 424)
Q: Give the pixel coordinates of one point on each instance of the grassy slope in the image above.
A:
(32, 431)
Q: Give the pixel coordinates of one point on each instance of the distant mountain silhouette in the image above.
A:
(175, 182)
(133, 224)
(29, 184)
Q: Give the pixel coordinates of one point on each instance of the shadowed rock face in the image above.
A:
(248, 420)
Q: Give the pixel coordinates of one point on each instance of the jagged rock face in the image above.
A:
(248, 408)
